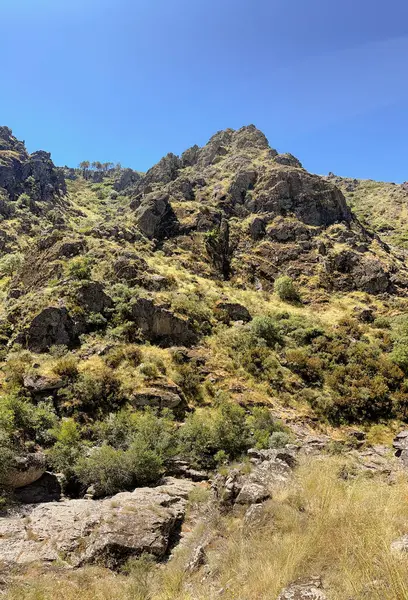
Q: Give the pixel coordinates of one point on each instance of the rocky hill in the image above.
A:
(192, 354)
(381, 206)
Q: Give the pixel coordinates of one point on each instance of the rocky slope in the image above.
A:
(225, 304)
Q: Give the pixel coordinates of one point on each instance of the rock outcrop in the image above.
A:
(33, 174)
(158, 324)
(104, 532)
(53, 326)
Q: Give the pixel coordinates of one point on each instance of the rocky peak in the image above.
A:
(32, 174)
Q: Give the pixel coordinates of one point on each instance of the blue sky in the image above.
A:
(130, 80)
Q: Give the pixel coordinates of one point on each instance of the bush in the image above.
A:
(67, 448)
(188, 378)
(95, 391)
(278, 439)
(285, 289)
(124, 352)
(209, 431)
(106, 469)
(267, 330)
(10, 263)
(262, 426)
(79, 268)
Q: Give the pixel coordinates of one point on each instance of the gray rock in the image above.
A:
(92, 297)
(156, 218)
(160, 395)
(400, 545)
(105, 532)
(24, 470)
(52, 326)
(252, 493)
(198, 559)
(161, 325)
(234, 311)
(311, 589)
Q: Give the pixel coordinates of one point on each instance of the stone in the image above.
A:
(156, 218)
(233, 311)
(38, 385)
(160, 395)
(252, 493)
(198, 559)
(24, 470)
(92, 297)
(311, 589)
(254, 516)
(51, 327)
(160, 325)
(46, 489)
(257, 228)
(125, 179)
(400, 545)
(104, 532)
(400, 442)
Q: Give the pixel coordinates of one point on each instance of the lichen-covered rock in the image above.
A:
(125, 179)
(51, 327)
(34, 174)
(310, 589)
(158, 324)
(160, 394)
(105, 532)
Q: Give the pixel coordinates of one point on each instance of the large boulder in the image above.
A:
(159, 324)
(159, 394)
(51, 327)
(24, 470)
(105, 532)
(92, 297)
(156, 218)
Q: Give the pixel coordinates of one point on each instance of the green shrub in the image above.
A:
(278, 439)
(67, 448)
(10, 263)
(125, 352)
(79, 268)
(189, 379)
(106, 468)
(285, 289)
(262, 426)
(266, 329)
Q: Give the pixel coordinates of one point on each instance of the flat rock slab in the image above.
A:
(105, 532)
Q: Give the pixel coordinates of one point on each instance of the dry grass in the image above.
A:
(320, 525)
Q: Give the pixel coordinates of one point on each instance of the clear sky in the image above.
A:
(130, 80)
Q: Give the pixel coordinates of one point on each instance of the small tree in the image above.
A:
(84, 165)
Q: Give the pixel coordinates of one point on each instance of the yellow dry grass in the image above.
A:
(320, 525)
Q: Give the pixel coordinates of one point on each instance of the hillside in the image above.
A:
(380, 206)
(198, 363)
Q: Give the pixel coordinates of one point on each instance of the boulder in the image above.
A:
(288, 160)
(52, 326)
(105, 532)
(24, 470)
(160, 395)
(125, 179)
(310, 589)
(46, 489)
(158, 324)
(233, 311)
(92, 297)
(400, 545)
(156, 218)
(252, 493)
